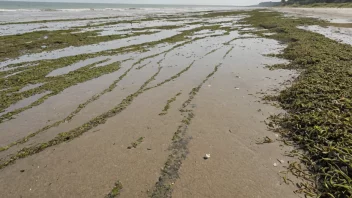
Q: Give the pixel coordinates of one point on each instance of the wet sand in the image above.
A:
(334, 15)
(210, 89)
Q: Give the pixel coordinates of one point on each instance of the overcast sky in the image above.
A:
(196, 2)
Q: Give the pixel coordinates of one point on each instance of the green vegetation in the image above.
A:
(55, 84)
(115, 192)
(215, 14)
(167, 106)
(70, 60)
(140, 67)
(72, 114)
(327, 5)
(172, 77)
(318, 105)
(38, 41)
(38, 73)
(318, 3)
(179, 147)
(228, 52)
(136, 143)
(318, 120)
(212, 51)
(67, 136)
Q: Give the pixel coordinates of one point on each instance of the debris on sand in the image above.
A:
(266, 140)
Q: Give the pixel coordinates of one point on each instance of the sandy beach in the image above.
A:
(334, 14)
(131, 105)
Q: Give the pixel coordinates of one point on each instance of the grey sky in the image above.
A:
(202, 2)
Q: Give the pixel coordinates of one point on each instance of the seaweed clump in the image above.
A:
(167, 106)
(115, 192)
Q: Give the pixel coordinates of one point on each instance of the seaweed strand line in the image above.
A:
(318, 104)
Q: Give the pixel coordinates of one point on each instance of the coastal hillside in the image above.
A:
(318, 3)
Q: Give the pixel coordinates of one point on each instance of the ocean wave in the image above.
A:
(16, 10)
(70, 9)
(160, 9)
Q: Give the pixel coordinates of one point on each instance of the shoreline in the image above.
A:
(344, 14)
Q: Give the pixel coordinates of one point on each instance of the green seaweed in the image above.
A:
(116, 190)
(322, 5)
(13, 46)
(32, 75)
(178, 148)
(228, 52)
(53, 84)
(136, 143)
(318, 105)
(94, 98)
(172, 77)
(140, 67)
(69, 135)
(212, 51)
(167, 106)
(71, 115)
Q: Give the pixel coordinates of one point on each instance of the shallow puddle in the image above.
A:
(203, 82)
(30, 86)
(343, 35)
(73, 67)
(71, 51)
(23, 103)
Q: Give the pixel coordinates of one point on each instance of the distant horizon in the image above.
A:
(117, 3)
(132, 3)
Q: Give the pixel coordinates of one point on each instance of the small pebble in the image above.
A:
(207, 156)
(237, 88)
(275, 165)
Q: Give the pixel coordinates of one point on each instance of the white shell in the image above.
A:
(207, 156)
